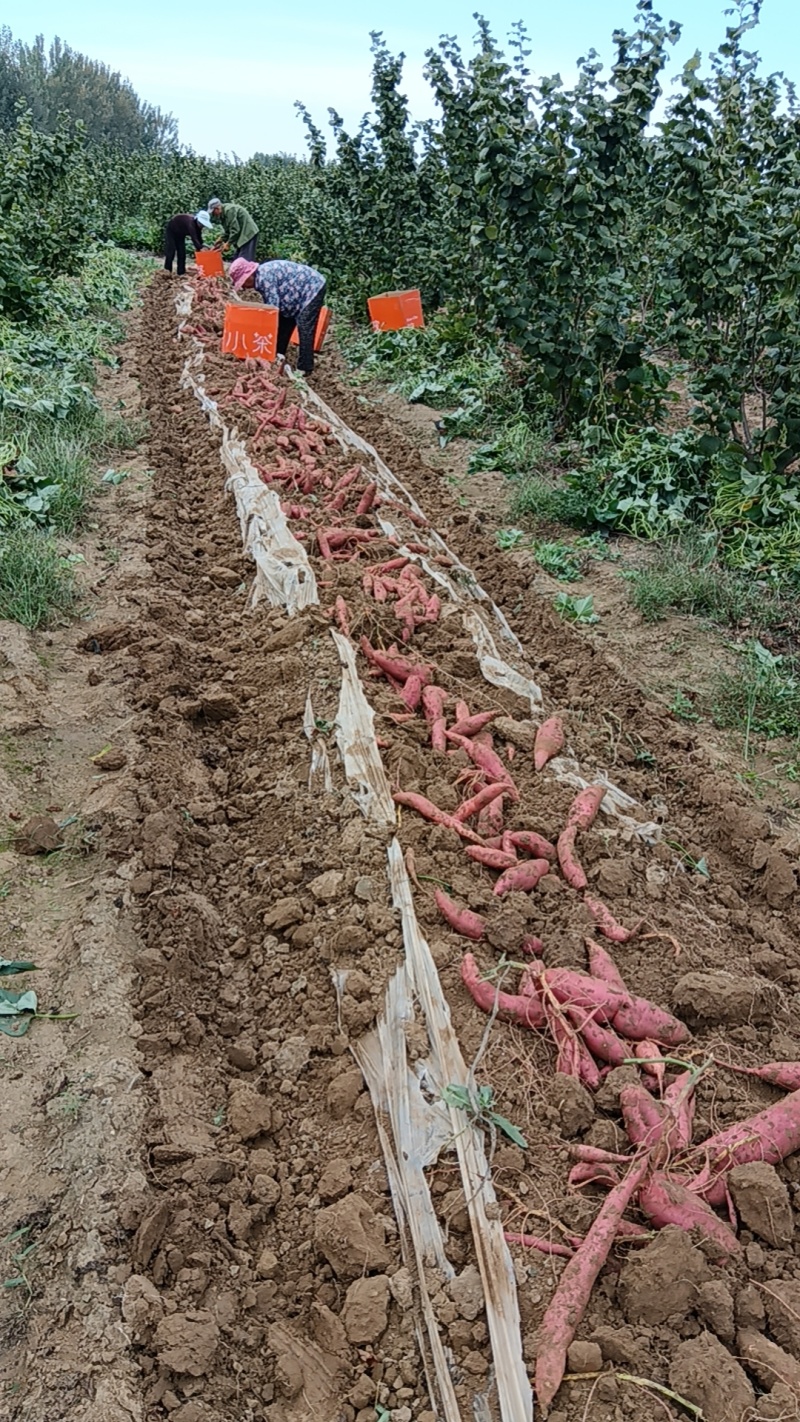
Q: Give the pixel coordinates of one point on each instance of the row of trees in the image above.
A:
(56, 84)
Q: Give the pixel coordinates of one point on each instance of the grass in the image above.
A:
(37, 585)
(120, 431)
(685, 575)
(541, 501)
(761, 698)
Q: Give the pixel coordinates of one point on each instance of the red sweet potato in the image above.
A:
(545, 1246)
(584, 808)
(433, 700)
(665, 1201)
(479, 802)
(523, 1011)
(549, 741)
(531, 843)
(637, 1019)
(602, 966)
(569, 1302)
(486, 760)
(431, 812)
(491, 858)
(522, 878)
(606, 922)
(784, 1075)
(470, 725)
(645, 1119)
(570, 868)
(579, 990)
(771, 1135)
(603, 1043)
(463, 920)
(411, 693)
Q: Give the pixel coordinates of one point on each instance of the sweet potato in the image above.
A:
(490, 819)
(545, 1246)
(522, 878)
(433, 700)
(549, 741)
(573, 989)
(394, 666)
(523, 1011)
(584, 808)
(431, 812)
(341, 615)
(486, 760)
(603, 1043)
(567, 1307)
(784, 1075)
(602, 966)
(491, 858)
(367, 500)
(638, 1019)
(531, 843)
(665, 1201)
(570, 868)
(679, 1099)
(588, 1173)
(463, 920)
(471, 725)
(650, 1053)
(412, 692)
(771, 1135)
(645, 1119)
(480, 801)
(606, 922)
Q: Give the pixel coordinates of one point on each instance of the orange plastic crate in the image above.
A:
(250, 331)
(210, 262)
(394, 310)
(322, 330)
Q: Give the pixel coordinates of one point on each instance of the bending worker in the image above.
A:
(177, 230)
(238, 226)
(297, 291)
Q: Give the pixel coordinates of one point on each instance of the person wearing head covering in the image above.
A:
(239, 228)
(177, 230)
(297, 291)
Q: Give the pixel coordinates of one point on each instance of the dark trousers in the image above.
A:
(174, 247)
(248, 251)
(306, 324)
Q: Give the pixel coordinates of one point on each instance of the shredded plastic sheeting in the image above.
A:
(355, 737)
(449, 1069)
(284, 576)
(319, 773)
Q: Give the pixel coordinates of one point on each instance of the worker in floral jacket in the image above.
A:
(296, 290)
(239, 228)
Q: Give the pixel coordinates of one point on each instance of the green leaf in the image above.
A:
(509, 1130)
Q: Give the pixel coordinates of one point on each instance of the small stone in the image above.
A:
(283, 914)
(762, 1201)
(363, 1392)
(249, 1113)
(343, 1093)
(335, 1180)
(242, 1054)
(402, 1289)
(292, 1057)
(476, 1364)
(584, 1358)
(267, 1265)
(110, 759)
(466, 1291)
(326, 886)
(365, 889)
(365, 1313)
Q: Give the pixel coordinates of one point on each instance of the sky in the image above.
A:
(231, 78)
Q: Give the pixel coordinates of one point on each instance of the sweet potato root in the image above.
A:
(549, 741)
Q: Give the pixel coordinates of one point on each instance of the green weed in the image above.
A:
(761, 698)
(575, 609)
(37, 585)
(543, 501)
(686, 576)
(559, 560)
(682, 708)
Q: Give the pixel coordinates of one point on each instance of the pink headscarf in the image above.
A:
(240, 270)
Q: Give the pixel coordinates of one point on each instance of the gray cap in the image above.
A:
(212, 203)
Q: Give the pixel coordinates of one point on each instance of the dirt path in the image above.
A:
(236, 1253)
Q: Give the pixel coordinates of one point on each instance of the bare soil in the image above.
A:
(211, 1211)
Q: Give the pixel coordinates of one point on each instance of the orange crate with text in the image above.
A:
(322, 330)
(250, 332)
(394, 310)
(210, 262)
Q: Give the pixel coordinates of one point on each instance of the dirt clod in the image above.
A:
(365, 1312)
(782, 1302)
(249, 1113)
(351, 1237)
(39, 835)
(768, 1363)
(466, 1291)
(762, 1201)
(187, 1342)
(720, 997)
(714, 1305)
(704, 1372)
(584, 1358)
(572, 1102)
(662, 1279)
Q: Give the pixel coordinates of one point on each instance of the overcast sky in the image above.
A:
(231, 79)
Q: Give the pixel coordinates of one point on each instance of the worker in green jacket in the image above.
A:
(238, 226)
